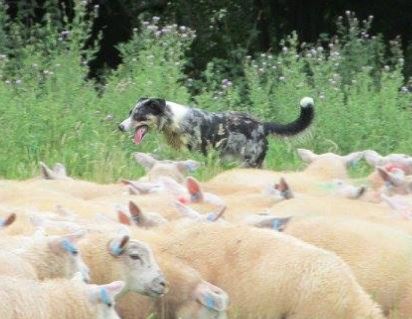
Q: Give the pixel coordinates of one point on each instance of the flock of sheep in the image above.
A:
(249, 243)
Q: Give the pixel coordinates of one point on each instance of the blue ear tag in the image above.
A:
(69, 247)
(136, 219)
(276, 224)
(210, 302)
(327, 186)
(115, 248)
(1, 222)
(196, 197)
(191, 167)
(104, 296)
(211, 217)
(388, 184)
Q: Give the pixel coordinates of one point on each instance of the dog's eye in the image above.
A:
(139, 118)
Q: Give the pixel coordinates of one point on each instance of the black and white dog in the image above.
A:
(236, 135)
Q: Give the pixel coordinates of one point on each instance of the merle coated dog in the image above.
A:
(235, 135)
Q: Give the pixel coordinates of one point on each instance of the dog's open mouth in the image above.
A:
(140, 133)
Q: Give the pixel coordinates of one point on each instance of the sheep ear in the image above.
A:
(144, 159)
(136, 213)
(187, 166)
(394, 179)
(8, 221)
(46, 172)
(77, 277)
(353, 158)
(75, 237)
(136, 188)
(187, 211)
(306, 155)
(284, 189)
(383, 174)
(132, 190)
(372, 158)
(123, 218)
(60, 170)
(107, 293)
(211, 297)
(62, 244)
(280, 223)
(193, 187)
(118, 245)
(216, 216)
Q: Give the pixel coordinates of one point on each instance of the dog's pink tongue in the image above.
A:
(139, 134)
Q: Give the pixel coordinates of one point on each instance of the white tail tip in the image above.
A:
(307, 102)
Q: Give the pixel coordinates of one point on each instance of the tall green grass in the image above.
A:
(50, 111)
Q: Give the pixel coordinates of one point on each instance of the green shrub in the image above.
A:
(50, 111)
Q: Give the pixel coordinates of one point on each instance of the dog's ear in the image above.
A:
(158, 105)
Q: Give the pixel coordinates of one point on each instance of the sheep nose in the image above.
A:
(121, 127)
(161, 284)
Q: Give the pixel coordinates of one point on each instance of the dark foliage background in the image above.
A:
(227, 30)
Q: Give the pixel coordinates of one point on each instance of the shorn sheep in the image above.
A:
(42, 257)
(189, 297)
(59, 298)
(186, 249)
(268, 274)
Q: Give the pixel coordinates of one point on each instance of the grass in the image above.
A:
(51, 112)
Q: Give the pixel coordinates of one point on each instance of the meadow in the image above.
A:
(51, 111)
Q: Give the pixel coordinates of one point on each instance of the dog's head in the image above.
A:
(148, 113)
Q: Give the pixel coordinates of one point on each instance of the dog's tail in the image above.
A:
(307, 113)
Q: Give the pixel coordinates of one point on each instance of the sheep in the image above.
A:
(119, 258)
(191, 213)
(156, 169)
(384, 271)
(401, 161)
(191, 193)
(42, 257)
(328, 165)
(321, 168)
(63, 299)
(57, 172)
(395, 181)
(41, 196)
(139, 218)
(281, 195)
(189, 296)
(288, 277)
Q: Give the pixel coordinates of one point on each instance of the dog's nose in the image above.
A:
(121, 127)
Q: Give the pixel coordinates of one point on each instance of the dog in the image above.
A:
(235, 135)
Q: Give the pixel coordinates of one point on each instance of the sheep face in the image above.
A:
(102, 299)
(395, 181)
(65, 254)
(138, 267)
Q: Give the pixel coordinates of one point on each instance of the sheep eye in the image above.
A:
(135, 257)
